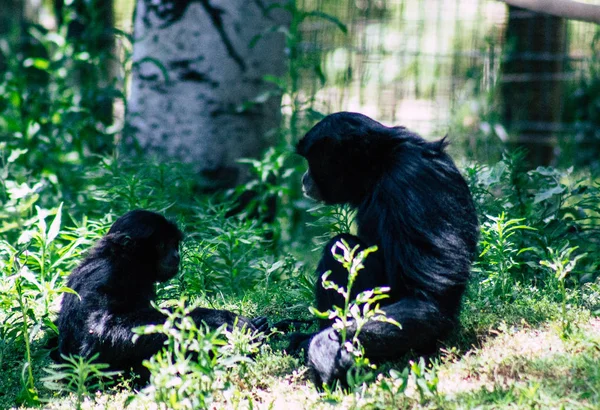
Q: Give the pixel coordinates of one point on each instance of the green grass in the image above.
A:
(511, 350)
(516, 367)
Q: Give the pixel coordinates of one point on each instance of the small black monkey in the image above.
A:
(115, 285)
(413, 203)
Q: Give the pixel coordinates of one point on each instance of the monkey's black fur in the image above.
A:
(115, 285)
(412, 203)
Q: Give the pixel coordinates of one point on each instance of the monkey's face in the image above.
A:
(310, 188)
(168, 260)
(347, 154)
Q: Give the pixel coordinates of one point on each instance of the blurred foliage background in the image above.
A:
(486, 74)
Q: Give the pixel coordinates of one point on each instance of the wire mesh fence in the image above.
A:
(414, 62)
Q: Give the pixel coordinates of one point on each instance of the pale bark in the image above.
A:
(193, 69)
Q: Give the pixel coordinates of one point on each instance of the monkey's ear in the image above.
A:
(435, 148)
(120, 240)
(441, 144)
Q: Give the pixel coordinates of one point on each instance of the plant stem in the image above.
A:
(564, 306)
(25, 327)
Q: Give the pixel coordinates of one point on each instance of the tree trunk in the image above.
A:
(93, 31)
(11, 18)
(193, 70)
(532, 81)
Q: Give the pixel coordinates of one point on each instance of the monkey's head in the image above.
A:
(148, 240)
(347, 153)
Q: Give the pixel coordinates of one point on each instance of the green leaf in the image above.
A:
(547, 194)
(15, 154)
(29, 276)
(278, 81)
(56, 39)
(55, 226)
(547, 171)
(66, 289)
(41, 220)
(495, 174)
(318, 313)
(39, 63)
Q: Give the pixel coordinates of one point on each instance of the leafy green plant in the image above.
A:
(331, 220)
(18, 326)
(395, 386)
(79, 376)
(226, 254)
(561, 264)
(17, 194)
(277, 188)
(271, 194)
(268, 184)
(497, 258)
(194, 366)
(425, 379)
(52, 106)
(32, 281)
(122, 185)
(356, 313)
(559, 204)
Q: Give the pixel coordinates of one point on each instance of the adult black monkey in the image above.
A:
(415, 206)
(115, 285)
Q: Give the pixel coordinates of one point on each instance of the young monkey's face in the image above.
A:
(168, 260)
